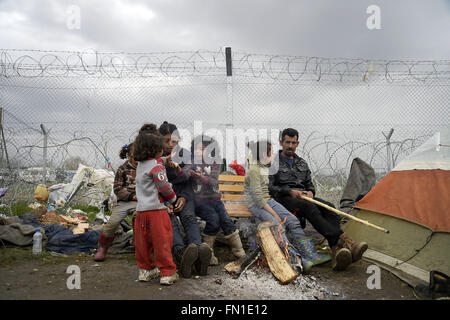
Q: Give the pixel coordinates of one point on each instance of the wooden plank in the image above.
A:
(231, 188)
(236, 207)
(232, 197)
(278, 264)
(231, 178)
(81, 228)
(237, 210)
(240, 214)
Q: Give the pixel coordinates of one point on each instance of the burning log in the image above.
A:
(278, 263)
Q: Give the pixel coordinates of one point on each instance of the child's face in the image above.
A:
(198, 151)
(159, 154)
(267, 159)
(170, 141)
(130, 154)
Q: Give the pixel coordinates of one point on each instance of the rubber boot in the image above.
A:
(341, 256)
(177, 254)
(309, 254)
(104, 242)
(357, 248)
(234, 241)
(209, 240)
(204, 258)
(438, 287)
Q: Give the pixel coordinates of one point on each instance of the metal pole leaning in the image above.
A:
(44, 169)
(367, 223)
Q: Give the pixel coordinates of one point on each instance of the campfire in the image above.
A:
(273, 252)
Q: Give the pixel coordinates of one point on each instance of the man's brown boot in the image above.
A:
(341, 256)
(357, 248)
(104, 242)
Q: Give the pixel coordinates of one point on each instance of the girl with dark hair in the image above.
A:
(125, 190)
(204, 172)
(262, 206)
(148, 128)
(125, 151)
(153, 228)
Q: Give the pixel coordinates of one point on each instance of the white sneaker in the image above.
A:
(169, 280)
(147, 275)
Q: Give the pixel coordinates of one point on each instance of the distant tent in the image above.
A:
(413, 203)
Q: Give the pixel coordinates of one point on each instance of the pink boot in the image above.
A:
(104, 242)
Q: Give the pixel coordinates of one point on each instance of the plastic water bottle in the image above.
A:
(37, 242)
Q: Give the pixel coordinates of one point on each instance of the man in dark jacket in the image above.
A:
(291, 183)
(196, 253)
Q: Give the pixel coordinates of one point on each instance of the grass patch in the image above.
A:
(17, 209)
(21, 207)
(15, 255)
(90, 211)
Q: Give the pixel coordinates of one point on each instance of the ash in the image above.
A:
(259, 283)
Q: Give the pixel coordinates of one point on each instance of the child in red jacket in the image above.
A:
(153, 227)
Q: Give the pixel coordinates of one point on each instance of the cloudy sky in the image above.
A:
(410, 29)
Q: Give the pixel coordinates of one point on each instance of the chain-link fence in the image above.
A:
(62, 108)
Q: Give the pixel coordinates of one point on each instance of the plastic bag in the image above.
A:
(239, 169)
(41, 193)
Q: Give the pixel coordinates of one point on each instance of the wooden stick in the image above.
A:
(367, 223)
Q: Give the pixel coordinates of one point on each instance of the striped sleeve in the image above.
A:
(120, 189)
(159, 176)
(162, 160)
(213, 178)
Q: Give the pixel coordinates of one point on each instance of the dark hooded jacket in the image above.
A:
(180, 181)
(297, 177)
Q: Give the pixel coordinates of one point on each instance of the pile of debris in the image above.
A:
(75, 220)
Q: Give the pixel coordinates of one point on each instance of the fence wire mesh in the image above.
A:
(88, 104)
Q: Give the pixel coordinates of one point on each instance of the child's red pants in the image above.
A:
(153, 231)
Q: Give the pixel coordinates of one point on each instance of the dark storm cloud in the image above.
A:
(410, 29)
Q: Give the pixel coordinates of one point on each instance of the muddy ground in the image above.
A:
(45, 277)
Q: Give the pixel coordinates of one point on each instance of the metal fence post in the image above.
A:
(229, 66)
(389, 151)
(44, 169)
(4, 141)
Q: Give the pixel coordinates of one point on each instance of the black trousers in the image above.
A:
(324, 221)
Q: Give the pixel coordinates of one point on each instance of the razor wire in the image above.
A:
(92, 103)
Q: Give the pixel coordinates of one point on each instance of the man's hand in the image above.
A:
(299, 194)
(179, 204)
(175, 165)
(195, 174)
(169, 209)
(295, 194)
(308, 194)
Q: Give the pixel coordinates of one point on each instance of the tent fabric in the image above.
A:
(360, 181)
(421, 196)
(432, 154)
(413, 203)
